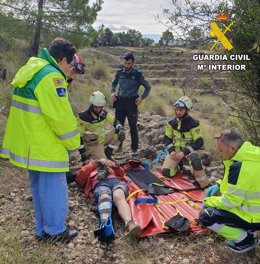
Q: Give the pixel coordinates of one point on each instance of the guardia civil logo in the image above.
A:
(219, 34)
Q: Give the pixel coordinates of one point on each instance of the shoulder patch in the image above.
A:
(234, 171)
(173, 122)
(61, 92)
(86, 116)
(58, 82)
(192, 122)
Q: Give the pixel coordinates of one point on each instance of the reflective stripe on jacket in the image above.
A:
(41, 127)
(184, 135)
(240, 187)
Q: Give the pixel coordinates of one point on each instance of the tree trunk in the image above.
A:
(37, 35)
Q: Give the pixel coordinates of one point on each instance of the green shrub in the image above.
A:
(100, 71)
(155, 105)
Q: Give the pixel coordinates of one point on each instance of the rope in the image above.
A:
(133, 193)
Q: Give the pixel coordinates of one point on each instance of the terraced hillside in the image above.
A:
(171, 65)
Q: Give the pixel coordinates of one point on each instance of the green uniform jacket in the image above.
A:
(240, 187)
(41, 127)
(184, 135)
(129, 83)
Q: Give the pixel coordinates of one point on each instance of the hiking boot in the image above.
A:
(201, 178)
(250, 242)
(83, 157)
(70, 177)
(133, 229)
(108, 152)
(135, 153)
(65, 237)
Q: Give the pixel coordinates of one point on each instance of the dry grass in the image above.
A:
(5, 100)
(160, 100)
(98, 77)
(100, 71)
(13, 251)
(11, 178)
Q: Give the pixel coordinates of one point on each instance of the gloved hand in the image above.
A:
(146, 164)
(212, 190)
(70, 152)
(121, 135)
(203, 206)
(84, 157)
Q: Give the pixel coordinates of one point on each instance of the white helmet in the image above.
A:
(97, 99)
(184, 101)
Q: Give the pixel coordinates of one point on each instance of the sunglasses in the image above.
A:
(179, 104)
(79, 68)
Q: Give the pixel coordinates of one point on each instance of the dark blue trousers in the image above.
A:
(210, 216)
(126, 107)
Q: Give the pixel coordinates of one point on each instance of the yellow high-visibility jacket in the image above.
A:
(240, 187)
(88, 121)
(41, 126)
(183, 135)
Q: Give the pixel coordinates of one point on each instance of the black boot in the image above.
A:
(65, 237)
(82, 151)
(109, 153)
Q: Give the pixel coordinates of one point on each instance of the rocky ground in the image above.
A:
(16, 214)
(16, 219)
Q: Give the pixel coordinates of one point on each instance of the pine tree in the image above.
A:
(71, 17)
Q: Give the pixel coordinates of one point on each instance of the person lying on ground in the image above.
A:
(105, 179)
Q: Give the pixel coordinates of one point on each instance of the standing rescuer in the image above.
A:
(41, 131)
(235, 213)
(182, 138)
(126, 99)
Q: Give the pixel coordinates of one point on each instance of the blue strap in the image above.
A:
(146, 164)
(147, 200)
(108, 228)
(150, 185)
(158, 157)
(162, 153)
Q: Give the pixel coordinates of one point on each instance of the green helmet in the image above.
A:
(184, 101)
(97, 99)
